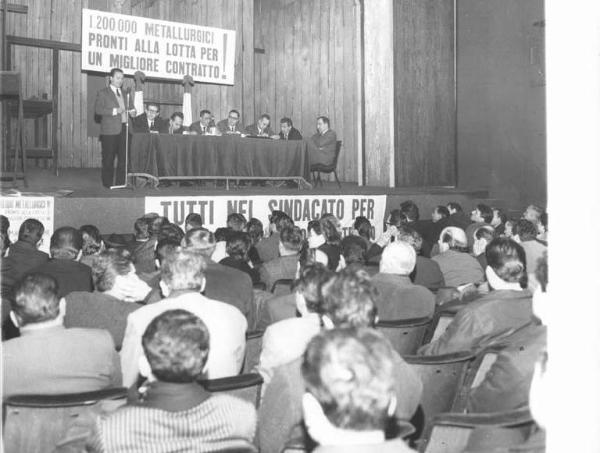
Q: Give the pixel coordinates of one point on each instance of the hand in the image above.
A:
(275, 137)
(132, 112)
(386, 236)
(120, 110)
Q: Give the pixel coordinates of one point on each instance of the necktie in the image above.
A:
(118, 93)
(151, 124)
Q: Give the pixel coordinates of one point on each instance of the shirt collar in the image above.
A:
(56, 323)
(171, 396)
(497, 283)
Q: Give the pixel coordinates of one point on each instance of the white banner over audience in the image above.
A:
(19, 209)
(301, 208)
(159, 48)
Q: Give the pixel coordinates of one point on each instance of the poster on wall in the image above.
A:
(159, 48)
(19, 209)
(302, 209)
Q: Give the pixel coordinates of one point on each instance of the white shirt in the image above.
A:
(226, 326)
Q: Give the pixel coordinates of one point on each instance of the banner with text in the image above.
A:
(302, 209)
(19, 209)
(159, 48)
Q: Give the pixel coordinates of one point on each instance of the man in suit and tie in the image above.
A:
(288, 131)
(149, 121)
(111, 107)
(231, 124)
(202, 127)
(175, 125)
(322, 145)
(262, 128)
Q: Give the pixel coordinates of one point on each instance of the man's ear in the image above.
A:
(164, 288)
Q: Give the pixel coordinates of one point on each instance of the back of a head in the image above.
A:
(453, 238)
(363, 227)
(108, 265)
(526, 230)
(410, 236)
(236, 222)
(255, 230)
(410, 210)
(66, 243)
(398, 258)
(350, 372)
(507, 260)
(486, 212)
(156, 224)
(193, 220)
(330, 226)
(291, 238)
(183, 270)
(164, 248)
(36, 299)
(349, 299)
(442, 211)
(176, 344)
(201, 241)
(280, 220)
(396, 218)
(454, 207)
(31, 231)
(141, 228)
(4, 224)
(92, 240)
(309, 283)
(238, 244)
(354, 250)
(170, 231)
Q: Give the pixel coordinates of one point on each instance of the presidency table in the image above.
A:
(183, 157)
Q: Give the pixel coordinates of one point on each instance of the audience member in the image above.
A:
(398, 297)
(117, 289)
(331, 228)
(483, 236)
(92, 244)
(182, 283)
(350, 396)
(505, 308)
(268, 248)
(48, 358)
(395, 220)
(457, 266)
(411, 213)
(238, 245)
(533, 213)
(457, 217)
(174, 412)
(255, 230)
(24, 255)
(65, 250)
(143, 255)
(439, 221)
(235, 222)
(141, 231)
(354, 252)
(192, 221)
(363, 228)
(4, 226)
(543, 229)
(526, 233)
(286, 265)
(498, 220)
(348, 301)
(427, 272)
(480, 216)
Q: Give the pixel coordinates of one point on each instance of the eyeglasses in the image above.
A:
(233, 117)
(152, 111)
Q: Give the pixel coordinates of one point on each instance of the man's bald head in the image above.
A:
(398, 258)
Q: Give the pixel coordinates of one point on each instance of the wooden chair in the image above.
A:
(283, 282)
(253, 348)
(439, 324)
(406, 335)
(37, 423)
(317, 169)
(442, 377)
(244, 386)
(452, 432)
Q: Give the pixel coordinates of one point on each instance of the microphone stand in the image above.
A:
(125, 185)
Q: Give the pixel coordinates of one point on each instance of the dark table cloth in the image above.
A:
(163, 156)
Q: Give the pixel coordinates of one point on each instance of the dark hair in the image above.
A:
(486, 212)
(354, 250)
(507, 259)
(176, 344)
(363, 227)
(396, 218)
(154, 104)
(309, 282)
(221, 234)
(204, 112)
(281, 220)
(4, 224)
(66, 242)
(443, 211)
(31, 231)
(165, 247)
(501, 214)
(236, 221)
(265, 116)
(172, 232)
(194, 220)
(286, 120)
(455, 206)
(324, 119)
(329, 226)
(291, 238)
(3, 243)
(238, 244)
(351, 373)
(177, 115)
(200, 240)
(107, 265)
(314, 225)
(156, 224)
(113, 71)
(234, 111)
(36, 298)
(410, 236)
(92, 240)
(410, 210)
(142, 228)
(525, 230)
(349, 298)
(255, 230)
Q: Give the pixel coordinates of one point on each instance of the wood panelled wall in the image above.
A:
(308, 68)
(424, 92)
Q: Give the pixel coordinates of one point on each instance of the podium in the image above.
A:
(10, 93)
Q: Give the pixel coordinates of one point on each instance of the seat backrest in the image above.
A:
(244, 386)
(284, 282)
(442, 378)
(253, 348)
(441, 321)
(38, 423)
(455, 432)
(405, 335)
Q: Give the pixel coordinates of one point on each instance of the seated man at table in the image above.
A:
(321, 146)
(149, 121)
(202, 127)
(262, 128)
(288, 131)
(175, 125)
(231, 124)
